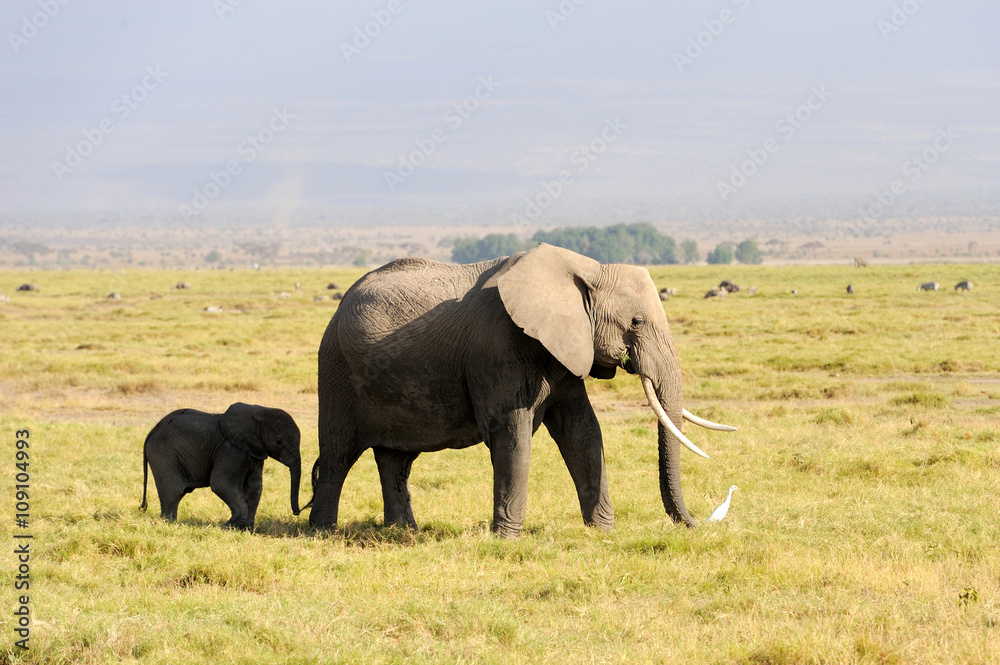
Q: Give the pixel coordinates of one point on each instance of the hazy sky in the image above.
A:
(735, 108)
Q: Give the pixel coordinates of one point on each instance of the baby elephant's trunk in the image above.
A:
(296, 470)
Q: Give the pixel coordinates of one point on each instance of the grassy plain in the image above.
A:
(866, 529)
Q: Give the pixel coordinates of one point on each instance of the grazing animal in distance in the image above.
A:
(730, 287)
(114, 296)
(795, 292)
(28, 287)
(860, 262)
(965, 285)
(716, 292)
(850, 288)
(928, 286)
(182, 285)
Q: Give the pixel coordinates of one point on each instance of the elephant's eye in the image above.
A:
(637, 321)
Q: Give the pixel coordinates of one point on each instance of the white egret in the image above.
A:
(721, 511)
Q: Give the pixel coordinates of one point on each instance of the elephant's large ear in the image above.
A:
(547, 293)
(240, 427)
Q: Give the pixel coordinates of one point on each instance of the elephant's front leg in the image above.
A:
(509, 441)
(228, 481)
(574, 427)
(252, 489)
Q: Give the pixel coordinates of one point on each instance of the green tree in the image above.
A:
(722, 254)
(639, 244)
(465, 250)
(213, 257)
(362, 258)
(748, 252)
(689, 249)
(470, 250)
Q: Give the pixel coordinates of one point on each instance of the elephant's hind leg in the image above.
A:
(170, 494)
(394, 473)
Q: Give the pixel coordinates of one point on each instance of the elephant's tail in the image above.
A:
(315, 477)
(145, 478)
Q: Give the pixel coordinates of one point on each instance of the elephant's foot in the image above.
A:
(242, 525)
(326, 500)
(603, 525)
(504, 529)
(402, 522)
(601, 516)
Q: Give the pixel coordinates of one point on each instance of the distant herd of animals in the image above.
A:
(725, 287)
(423, 356)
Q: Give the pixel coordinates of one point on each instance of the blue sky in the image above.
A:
(379, 127)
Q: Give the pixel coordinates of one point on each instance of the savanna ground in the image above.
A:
(866, 529)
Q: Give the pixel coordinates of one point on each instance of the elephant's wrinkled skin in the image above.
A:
(423, 356)
(225, 451)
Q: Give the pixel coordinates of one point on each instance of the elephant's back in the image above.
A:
(183, 429)
(405, 290)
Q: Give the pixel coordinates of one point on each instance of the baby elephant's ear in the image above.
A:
(240, 427)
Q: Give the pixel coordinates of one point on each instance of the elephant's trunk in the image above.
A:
(296, 470)
(669, 446)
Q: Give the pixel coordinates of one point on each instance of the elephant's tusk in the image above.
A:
(706, 423)
(654, 403)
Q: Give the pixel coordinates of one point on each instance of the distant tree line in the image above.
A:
(745, 252)
(640, 244)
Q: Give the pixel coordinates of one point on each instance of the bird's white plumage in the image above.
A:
(721, 511)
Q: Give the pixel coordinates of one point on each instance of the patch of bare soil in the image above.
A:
(112, 407)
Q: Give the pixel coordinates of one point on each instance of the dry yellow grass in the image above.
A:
(866, 529)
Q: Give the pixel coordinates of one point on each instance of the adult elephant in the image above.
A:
(423, 356)
(188, 449)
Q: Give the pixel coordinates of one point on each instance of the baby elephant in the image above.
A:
(224, 451)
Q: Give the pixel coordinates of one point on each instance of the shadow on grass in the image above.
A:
(362, 534)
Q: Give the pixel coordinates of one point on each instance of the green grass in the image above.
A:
(865, 530)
